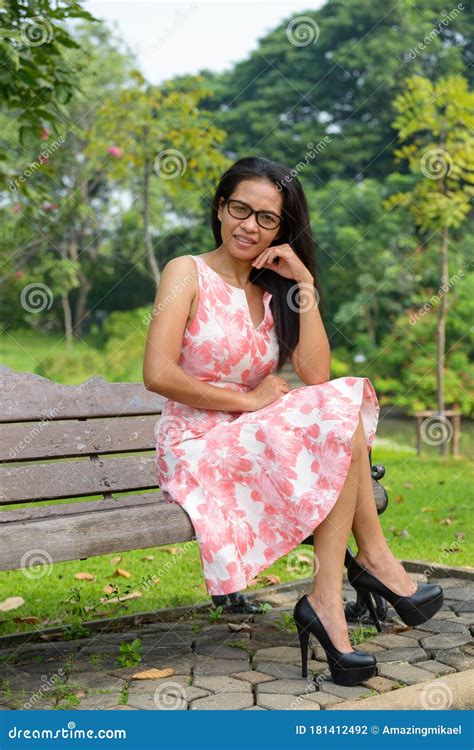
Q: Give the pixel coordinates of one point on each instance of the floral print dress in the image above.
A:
(254, 484)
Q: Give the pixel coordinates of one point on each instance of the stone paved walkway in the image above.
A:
(218, 667)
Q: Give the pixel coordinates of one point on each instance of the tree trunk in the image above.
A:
(155, 271)
(441, 330)
(67, 320)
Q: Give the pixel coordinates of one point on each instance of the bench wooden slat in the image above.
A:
(74, 532)
(63, 479)
(27, 397)
(26, 441)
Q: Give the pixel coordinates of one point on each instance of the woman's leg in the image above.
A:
(373, 550)
(330, 542)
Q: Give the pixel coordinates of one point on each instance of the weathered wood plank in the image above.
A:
(76, 478)
(87, 533)
(27, 397)
(25, 441)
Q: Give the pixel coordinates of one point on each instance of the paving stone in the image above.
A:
(159, 702)
(280, 654)
(286, 703)
(446, 640)
(289, 671)
(445, 626)
(98, 702)
(464, 607)
(389, 640)
(454, 658)
(402, 654)
(348, 693)
(459, 593)
(406, 673)
(144, 687)
(210, 666)
(221, 651)
(287, 687)
(380, 684)
(254, 678)
(369, 648)
(96, 681)
(222, 684)
(323, 699)
(255, 708)
(416, 634)
(223, 702)
(436, 667)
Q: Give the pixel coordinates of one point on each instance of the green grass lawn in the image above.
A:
(427, 519)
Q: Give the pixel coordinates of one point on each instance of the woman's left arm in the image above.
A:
(311, 357)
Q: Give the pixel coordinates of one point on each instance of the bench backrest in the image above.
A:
(94, 440)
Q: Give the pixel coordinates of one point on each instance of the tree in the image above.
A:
(436, 123)
(38, 75)
(162, 142)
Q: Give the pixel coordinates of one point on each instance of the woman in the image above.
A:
(258, 466)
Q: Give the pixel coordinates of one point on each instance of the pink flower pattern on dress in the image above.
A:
(254, 484)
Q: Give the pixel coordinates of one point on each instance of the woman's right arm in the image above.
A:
(161, 372)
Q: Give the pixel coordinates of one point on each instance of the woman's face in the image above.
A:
(261, 195)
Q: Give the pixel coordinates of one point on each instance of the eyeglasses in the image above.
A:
(241, 210)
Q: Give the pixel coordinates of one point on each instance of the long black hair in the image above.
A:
(295, 230)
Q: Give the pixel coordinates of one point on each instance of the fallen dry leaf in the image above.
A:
(122, 598)
(237, 626)
(153, 674)
(269, 580)
(398, 499)
(115, 560)
(84, 576)
(120, 572)
(171, 550)
(408, 484)
(253, 582)
(427, 509)
(11, 602)
(148, 557)
(30, 619)
(109, 589)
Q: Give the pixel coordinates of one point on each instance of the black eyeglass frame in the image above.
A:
(252, 211)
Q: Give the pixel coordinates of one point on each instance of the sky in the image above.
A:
(181, 37)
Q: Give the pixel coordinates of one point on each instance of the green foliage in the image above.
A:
(72, 368)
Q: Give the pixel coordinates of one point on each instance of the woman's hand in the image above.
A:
(266, 392)
(288, 265)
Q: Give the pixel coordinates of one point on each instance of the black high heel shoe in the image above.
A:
(413, 610)
(347, 668)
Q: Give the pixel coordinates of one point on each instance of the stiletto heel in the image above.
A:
(367, 599)
(304, 640)
(413, 610)
(347, 668)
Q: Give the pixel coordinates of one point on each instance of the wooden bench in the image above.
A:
(93, 441)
